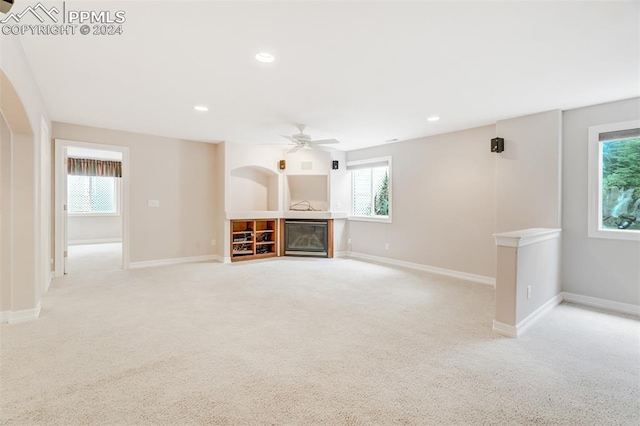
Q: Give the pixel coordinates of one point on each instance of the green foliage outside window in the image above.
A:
(382, 197)
(621, 184)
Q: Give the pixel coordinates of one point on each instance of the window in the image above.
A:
(371, 189)
(614, 181)
(92, 195)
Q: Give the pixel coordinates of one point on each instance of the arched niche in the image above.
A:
(12, 108)
(253, 188)
(20, 284)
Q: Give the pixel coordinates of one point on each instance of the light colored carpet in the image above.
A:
(307, 341)
(94, 257)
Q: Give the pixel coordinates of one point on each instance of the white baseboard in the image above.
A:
(441, 271)
(505, 329)
(338, 254)
(49, 279)
(94, 241)
(175, 261)
(15, 317)
(520, 328)
(226, 259)
(625, 308)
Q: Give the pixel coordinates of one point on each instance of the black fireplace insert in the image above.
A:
(306, 238)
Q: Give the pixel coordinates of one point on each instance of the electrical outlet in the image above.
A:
(51, 261)
(386, 246)
(528, 292)
(348, 240)
(213, 242)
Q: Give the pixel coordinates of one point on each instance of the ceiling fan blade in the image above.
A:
(324, 141)
(289, 138)
(294, 149)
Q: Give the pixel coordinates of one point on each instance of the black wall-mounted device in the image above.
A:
(497, 145)
(334, 164)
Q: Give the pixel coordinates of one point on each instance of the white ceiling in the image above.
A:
(362, 72)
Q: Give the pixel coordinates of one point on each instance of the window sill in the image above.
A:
(93, 214)
(380, 219)
(614, 234)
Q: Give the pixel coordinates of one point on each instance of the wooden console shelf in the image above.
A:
(253, 239)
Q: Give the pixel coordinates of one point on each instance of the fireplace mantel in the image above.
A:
(289, 214)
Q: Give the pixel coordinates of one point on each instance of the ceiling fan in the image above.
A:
(302, 140)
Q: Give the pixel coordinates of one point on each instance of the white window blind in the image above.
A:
(92, 195)
(371, 188)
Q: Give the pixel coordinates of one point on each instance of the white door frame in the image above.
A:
(46, 211)
(61, 183)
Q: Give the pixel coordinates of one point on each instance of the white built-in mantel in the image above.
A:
(527, 278)
(525, 237)
(289, 214)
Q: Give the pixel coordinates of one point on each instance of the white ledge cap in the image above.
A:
(289, 214)
(525, 237)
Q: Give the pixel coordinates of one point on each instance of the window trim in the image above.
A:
(594, 227)
(367, 164)
(118, 192)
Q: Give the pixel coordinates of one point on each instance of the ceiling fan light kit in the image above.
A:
(302, 140)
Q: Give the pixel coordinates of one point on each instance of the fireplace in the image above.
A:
(306, 238)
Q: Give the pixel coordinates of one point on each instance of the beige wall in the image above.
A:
(538, 267)
(443, 203)
(87, 228)
(320, 162)
(261, 156)
(178, 173)
(197, 199)
(595, 267)
(6, 254)
(251, 188)
(25, 291)
(528, 172)
(313, 189)
(243, 192)
(340, 236)
(221, 226)
(23, 108)
(16, 68)
(528, 275)
(340, 183)
(506, 285)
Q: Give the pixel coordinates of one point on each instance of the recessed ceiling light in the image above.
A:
(265, 57)
(201, 108)
(433, 118)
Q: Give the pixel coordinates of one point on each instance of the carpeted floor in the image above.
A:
(307, 341)
(94, 257)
